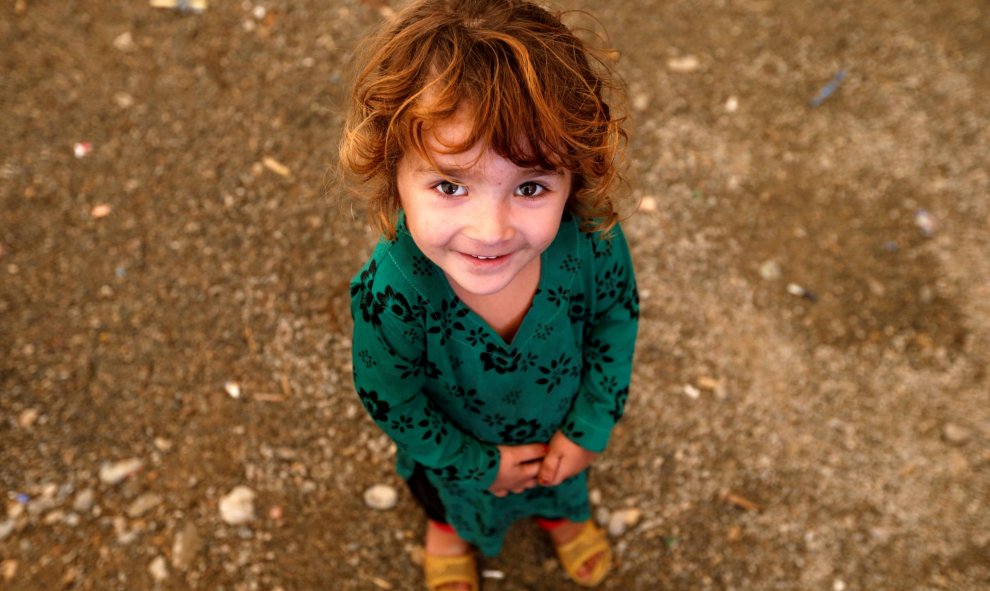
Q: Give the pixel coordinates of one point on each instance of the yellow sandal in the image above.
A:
(448, 570)
(589, 542)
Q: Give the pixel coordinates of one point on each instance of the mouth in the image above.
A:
(485, 259)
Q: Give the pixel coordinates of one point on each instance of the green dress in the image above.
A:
(447, 388)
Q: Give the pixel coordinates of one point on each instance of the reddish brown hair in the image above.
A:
(520, 71)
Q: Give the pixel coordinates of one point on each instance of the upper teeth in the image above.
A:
(484, 258)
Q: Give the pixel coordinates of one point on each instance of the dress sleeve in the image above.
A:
(391, 367)
(609, 341)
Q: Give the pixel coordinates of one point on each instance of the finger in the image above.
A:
(499, 493)
(549, 469)
(530, 452)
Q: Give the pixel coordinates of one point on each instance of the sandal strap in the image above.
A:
(588, 543)
(444, 570)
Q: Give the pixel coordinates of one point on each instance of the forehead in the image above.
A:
(449, 140)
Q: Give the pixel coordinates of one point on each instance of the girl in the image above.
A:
(494, 324)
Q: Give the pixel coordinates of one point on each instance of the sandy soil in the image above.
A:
(832, 440)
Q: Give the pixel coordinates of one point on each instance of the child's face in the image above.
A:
(491, 223)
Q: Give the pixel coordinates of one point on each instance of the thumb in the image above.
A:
(549, 469)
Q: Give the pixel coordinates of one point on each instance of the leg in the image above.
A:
(448, 563)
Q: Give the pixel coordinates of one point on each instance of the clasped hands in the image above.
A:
(524, 466)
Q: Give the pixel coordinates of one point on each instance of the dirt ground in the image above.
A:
(810, 406)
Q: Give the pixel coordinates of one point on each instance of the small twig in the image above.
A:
(740, 502)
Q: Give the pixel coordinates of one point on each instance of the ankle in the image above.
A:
(444, 541)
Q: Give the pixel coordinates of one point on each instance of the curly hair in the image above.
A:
(537, 94)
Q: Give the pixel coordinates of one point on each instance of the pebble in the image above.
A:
(84, 500)
(124, 41)
(692, 392)
(955, 434)
(186, 546)
(118, 471)
(602, 515)
(770, 270)
(622, 520)
(238, 506)
(381, 497)
(233, 389)
(641, 101)
(732, 104)
(158, 569)
(8, 569)
(27, 418)
(648, 204)
(143, 504)
(6, 528)
(684, 64)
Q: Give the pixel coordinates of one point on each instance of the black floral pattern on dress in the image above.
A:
(570, 430)
(543, 332)
(433, 425)
(596, 354)
(422, 366)
(455, 361)
(512, 397)
(620, 404)
(571, 264)
(468, 398)
(494, 420)
(361, 291)
(559, 296)
(577, 311)
(632, 304)
(421, 265)
(367, 359)
(521, 431)
(447, 319)
(395, 303)
(377, 408)
(402, 424)
(601, 246)
(611, 283)
(476, 336)
(555, 373)
(495, 358)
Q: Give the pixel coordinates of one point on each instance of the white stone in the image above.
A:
(648, 204)
(770, 270)
(623, 519)
(233, 389)
(237, 506)
(381, 497)
(118, 471)
(684, 64)
(158, 569)
(143, 504)
(84, 500)
(186, 546)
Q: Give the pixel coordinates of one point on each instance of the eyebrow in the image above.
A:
(457, 171)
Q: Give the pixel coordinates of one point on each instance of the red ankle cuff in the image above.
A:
(444, 527)
(549, 524)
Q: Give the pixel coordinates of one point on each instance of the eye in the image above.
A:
(530, 189)
(450, 189)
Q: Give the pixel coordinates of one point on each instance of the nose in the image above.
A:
(491, 221)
